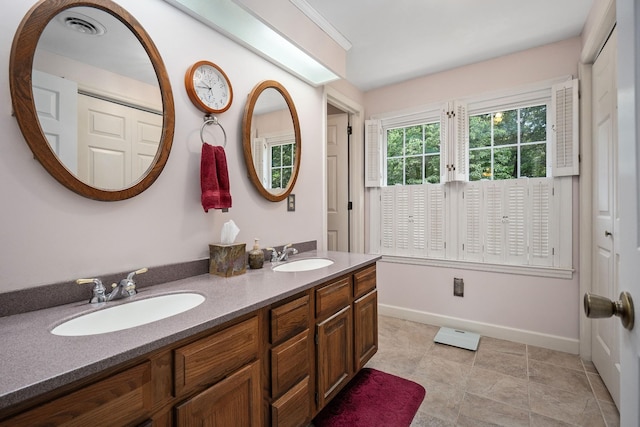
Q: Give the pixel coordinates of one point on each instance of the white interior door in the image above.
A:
(56, 103)
(628, 22)
(605, 332)
(117, 143)
(337, 183)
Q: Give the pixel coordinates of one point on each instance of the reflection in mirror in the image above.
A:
(100, 93)
(107, 136)
(271, 140)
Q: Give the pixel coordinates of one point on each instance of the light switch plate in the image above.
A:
(291, 203)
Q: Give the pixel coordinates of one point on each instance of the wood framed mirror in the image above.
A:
(271, 140)
(63, 52)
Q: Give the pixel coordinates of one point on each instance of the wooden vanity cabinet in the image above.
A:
(227, 364)
(291, 355)
(334, 338)
(365, 316)
(279, 365)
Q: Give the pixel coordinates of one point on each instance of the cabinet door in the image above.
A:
(335, 354)
(235, 401)
(365, 328)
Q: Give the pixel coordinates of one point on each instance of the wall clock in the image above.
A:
(208, 87)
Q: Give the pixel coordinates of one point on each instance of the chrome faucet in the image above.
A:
(284, 255)
(126, 288)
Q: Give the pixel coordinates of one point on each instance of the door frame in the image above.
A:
(602, 25)
(356, 166)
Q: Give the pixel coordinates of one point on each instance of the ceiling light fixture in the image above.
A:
(241, 26)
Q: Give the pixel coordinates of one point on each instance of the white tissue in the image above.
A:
(229, 232)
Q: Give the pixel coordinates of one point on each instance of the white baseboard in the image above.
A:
(552, 342)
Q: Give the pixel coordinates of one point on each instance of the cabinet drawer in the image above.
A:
(289, 363)
(289, 319)
(212, 358)
(363, 281)
(294, 408)
(122, 399)
(333, 297)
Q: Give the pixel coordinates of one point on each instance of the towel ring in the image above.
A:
(210, 120)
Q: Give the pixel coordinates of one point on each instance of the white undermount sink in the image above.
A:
(129, 315)
(304, 264)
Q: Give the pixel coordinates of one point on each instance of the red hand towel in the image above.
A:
(214, 178)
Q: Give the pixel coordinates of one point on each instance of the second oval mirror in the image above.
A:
(271, 140)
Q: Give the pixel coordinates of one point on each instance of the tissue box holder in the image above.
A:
(227, 260)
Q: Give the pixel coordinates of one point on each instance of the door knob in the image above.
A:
(596, 306)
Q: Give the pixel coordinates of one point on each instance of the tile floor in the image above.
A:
(503, 383)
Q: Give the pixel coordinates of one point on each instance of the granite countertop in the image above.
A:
(33, 361)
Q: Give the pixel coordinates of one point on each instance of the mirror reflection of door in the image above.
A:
(117, 143)
(56, 103)
(337, 180)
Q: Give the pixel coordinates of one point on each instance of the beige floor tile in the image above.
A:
(495, 379)
(500, 387)
(443, 371)
(455, 354)
(476, 410)
(589, 366)
(559, 377)
(611, 414)
(425, 420)
(501, 346)
(575, 408)
(502, 362)
(538, 420)
(599, 389)
(554, 357)
(441, 400)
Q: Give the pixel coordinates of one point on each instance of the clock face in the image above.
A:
(210, 88)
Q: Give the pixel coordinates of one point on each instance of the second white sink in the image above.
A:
(304, 264)
(129, 315)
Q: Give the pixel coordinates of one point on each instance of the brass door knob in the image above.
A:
(596, 307)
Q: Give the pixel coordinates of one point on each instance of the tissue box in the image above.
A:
(227, 260)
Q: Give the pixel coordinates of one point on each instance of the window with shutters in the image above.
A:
(481, 183)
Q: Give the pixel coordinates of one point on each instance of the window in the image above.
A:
(477, 181)
(281, 164)
(413, 154)
(508, 144)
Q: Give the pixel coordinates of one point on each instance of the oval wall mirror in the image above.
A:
(271, 140)
(92, 97)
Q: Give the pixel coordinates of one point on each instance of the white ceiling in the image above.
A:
(397, 40)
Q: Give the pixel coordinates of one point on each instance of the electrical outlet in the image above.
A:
(458, 287)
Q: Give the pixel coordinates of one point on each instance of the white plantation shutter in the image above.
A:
(460, 142)
(445, 124)
(388, 220)
(471, 213)
(259, 160)
(540, 227)
(565, 134)
(493, 243)
(454, 142)
(515, 220)
(436, 220)
(373, 153)
(402, 220)
(418, 220)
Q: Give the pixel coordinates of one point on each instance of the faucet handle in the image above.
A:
(274, 254)
(140, 271)
(98, 289)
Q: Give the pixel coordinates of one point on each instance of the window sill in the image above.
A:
(523, 270)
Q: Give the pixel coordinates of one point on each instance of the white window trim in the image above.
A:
(535, 94)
